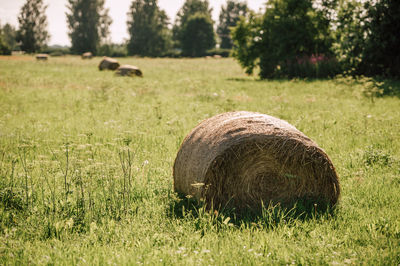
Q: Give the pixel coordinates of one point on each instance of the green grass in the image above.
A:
(86, 166)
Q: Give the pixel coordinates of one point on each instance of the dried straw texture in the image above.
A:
(42, 57)
(128, 70)
(87, 55)
(108, 63)
(245, 160)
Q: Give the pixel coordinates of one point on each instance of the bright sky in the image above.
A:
(9, 10)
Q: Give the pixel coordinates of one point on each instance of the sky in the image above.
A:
(9, 10)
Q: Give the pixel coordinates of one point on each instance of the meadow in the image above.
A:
(86, 166)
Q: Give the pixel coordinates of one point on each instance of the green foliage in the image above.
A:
(381, 54)
(32, 32)
(228, 18)
(197, 35)
(189, 8)
(113, 50)
(57, 50)
(289, 33)
(9, 36)
(349, 35)
(4, 48)
(367, 39)
(246, 41)
(88, 24)
(148, 29)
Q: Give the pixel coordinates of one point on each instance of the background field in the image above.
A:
(86, 166)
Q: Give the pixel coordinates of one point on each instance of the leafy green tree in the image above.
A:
(9, 36)
(246, 41)
(197, 35)
(189, 8)
(228, 17)
(381, 55)
(88, 23)
(32, 33)
(148, 29)
(349, 35)
(290, 32)
(4, 48)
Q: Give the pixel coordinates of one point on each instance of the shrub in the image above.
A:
(285, 41)
(113, 50)
(4, 48)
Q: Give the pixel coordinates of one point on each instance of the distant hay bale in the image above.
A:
(128, 70)
(42, 57)
(87, 55)
(108, 63)
(246, 159)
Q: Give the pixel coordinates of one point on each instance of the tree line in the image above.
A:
(290, 38)
(150, 30)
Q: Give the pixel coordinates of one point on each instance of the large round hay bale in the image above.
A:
(42, 57)
(246, 160)
(128, 70)
(87, 55)
(108, 63)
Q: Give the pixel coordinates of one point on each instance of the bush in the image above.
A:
(314, 66)
(56, 50)
(4, 48)
(285, 41)
(113, 50)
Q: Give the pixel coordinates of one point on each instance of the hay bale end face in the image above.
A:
(246, 160)
(128, 70)
(42, 57)
(108, 63)
(87, 55)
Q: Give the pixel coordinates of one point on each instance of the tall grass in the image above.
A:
(86, 166)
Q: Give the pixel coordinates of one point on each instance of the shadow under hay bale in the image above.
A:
(128, 70)
(186, 207)
(87, 55)
(108, 63)
(42, 57)
(246, 160)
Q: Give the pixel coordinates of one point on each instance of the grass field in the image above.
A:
(86, 166)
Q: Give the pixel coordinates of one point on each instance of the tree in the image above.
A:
(381, 55)
(88, 22)
(228, 18)
(367, 37)
(291, 33)
(4, 48)
(189, 8)
(9, 36)
(349, 35)
(148, 29)
(197, 35)
(246, 41)
(32, 33)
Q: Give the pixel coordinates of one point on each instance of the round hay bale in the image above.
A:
(42, 57)
(246, 160)
(108, 63)
(128, 70)
(87, 55)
